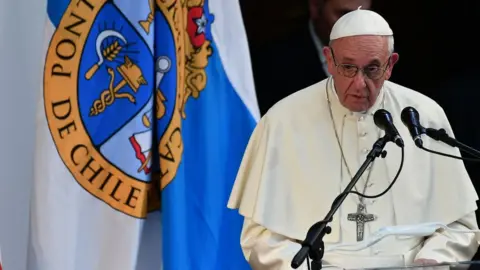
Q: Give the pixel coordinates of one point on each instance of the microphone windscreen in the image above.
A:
(382, 118)
(408, 115)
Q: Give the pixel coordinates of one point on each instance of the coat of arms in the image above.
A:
(116, 85)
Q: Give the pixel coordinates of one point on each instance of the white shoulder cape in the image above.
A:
(289, 175)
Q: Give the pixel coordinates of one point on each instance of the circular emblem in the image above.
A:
(114, 102)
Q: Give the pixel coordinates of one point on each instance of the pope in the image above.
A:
(307, 147)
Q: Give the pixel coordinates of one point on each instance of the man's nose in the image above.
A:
(359, 80)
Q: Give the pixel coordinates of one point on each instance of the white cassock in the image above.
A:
(292, 171)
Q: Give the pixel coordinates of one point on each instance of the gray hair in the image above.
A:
(390, 44)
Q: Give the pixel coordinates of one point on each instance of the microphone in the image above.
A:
(383, 119)
(411, 120)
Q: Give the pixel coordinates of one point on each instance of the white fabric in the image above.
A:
(266, 250)
(21, 37)
(231, 40)
(406, 231)
(360, 22)
(291, 172)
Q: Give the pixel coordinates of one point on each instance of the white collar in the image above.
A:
(318, 46)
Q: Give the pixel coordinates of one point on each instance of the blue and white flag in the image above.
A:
(147, 108)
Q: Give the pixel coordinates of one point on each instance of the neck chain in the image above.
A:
(344, 161)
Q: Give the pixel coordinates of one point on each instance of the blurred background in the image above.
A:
(436, 40)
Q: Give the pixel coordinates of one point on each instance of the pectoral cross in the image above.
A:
(361, 217)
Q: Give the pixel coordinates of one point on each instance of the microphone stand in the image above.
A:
(313, 245)
(441, 135)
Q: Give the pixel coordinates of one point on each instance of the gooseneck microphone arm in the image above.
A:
(441, 135)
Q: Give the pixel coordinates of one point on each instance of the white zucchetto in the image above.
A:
(360, 22)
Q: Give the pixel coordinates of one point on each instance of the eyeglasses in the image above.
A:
(373, 72)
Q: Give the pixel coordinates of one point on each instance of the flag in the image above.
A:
(146, 108)
(203, 140)
(95, 204)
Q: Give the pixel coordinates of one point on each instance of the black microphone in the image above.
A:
(383, 119)
(411, 120)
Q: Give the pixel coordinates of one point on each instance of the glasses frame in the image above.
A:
(341, 67)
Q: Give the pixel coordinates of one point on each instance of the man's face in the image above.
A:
(356, 90)
(324, 14)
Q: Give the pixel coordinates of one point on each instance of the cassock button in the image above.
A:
(363, 134)
(362, 118)
(365, 150)
(376, 252)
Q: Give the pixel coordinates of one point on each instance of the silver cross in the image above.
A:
(361, 217)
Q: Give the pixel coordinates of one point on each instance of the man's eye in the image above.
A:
(372, 69)
(348, 68)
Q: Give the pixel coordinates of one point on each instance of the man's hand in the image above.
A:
(424, 262)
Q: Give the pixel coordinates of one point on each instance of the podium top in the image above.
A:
(440, 266)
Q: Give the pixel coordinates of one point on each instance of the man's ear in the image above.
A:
(393, 60)
(327, 52)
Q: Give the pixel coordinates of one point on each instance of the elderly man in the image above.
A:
(307, 148)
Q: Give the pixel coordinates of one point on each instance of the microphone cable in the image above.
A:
(450, 156)
(401, 167)
(400, 170)
(383, 192)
